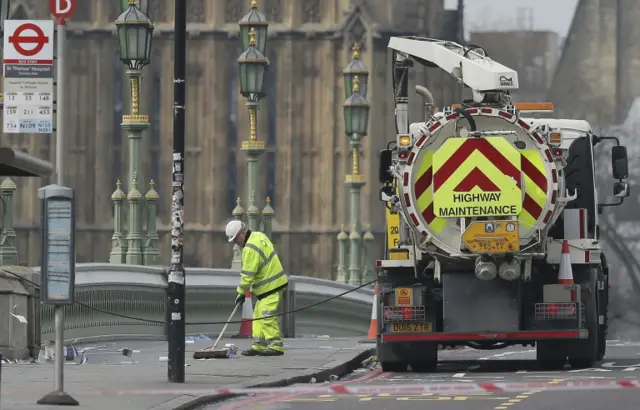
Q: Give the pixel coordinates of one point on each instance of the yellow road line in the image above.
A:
(517, 399)
(324, 398)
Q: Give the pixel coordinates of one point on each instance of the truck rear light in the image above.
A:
(555, 138)
(558, 152)
(404, 140)
(404, 313)
(556, 311)
(403, 154)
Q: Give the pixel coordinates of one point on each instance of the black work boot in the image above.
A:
(271, 352)
(250, 352)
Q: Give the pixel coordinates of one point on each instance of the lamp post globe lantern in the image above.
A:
(142, 5)
(253, 66)
(356, 112)
(254, 20)
(135, 32)
(355, 68)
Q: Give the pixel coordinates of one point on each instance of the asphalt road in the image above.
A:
(466, 366)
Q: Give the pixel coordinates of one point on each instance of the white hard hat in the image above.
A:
(233, 229)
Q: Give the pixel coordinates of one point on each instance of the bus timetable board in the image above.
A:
(58, 245)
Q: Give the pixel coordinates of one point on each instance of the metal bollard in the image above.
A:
(288, 321)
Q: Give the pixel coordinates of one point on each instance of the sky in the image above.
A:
(485, 15)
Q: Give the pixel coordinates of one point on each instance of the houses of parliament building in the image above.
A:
(300, 120)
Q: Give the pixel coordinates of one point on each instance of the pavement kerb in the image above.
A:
(321, 376)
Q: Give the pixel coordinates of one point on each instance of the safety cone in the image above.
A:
(565, 274)
(373, 326)
(247, 318)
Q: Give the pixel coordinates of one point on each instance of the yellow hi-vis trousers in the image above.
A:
(266, 332)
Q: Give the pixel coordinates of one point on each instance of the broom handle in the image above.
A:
(225, 327)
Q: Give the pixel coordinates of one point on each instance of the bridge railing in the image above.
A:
(129, 301)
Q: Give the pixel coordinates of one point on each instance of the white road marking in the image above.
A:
(504, 354)
(622, 344)
(591, 369)
(459, 375)
(610, 365)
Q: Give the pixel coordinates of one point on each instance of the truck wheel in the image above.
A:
(424, 366)
(428, 360)
(584, 353)
(394, 367)
(549, 355)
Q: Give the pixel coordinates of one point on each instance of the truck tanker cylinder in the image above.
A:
(485, 269)
(509, 270)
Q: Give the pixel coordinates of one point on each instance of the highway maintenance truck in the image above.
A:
(498, 221)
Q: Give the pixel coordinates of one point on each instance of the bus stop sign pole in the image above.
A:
(58, 271)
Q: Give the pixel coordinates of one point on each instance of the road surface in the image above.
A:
(468, 366)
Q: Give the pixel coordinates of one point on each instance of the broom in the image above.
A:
(211, 352)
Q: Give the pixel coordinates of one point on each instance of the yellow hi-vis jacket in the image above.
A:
(262, 271)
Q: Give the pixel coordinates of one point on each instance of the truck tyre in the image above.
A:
(584, 353)
(428, 361)
(424, 366)
(396, 357)
(550, 355)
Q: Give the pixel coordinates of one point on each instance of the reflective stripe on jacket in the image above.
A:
(262, 271)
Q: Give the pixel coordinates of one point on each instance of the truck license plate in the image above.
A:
(409, 327)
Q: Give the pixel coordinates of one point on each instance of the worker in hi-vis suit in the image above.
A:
(263, 275)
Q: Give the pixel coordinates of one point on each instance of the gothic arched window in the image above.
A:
(83, 11)
(311, 12)
(196, 12)
(233, 12)
(273, 10)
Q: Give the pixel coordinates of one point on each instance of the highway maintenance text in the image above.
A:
(467, 205)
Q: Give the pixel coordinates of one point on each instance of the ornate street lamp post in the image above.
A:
(142, 5)
(355, 68)
(258, 22)
(252, 65)
(356, 121)
(135, 31)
